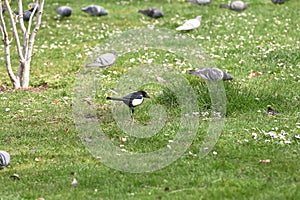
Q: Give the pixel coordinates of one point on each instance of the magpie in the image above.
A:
(132, 100)
(271, 111)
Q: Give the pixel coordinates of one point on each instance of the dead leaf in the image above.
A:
(122, 139)
(253, 74)
(37, 159)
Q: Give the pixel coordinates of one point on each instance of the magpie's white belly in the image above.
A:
(136, 102)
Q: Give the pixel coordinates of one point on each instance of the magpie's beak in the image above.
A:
(147, 96)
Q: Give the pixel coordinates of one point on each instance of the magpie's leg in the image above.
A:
(131, 113)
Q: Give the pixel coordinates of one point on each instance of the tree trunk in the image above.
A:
(21, 79)
(26, 74)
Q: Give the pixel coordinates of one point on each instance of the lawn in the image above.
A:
(256, 155)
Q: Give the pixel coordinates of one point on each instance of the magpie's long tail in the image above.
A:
(115, 99)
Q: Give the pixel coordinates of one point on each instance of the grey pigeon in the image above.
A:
(104, 60)
(26, 14)
(212, 74)
(199, 2)
(64, 11)
(95, 10)
(279, 1)
(152, 12)
(236, 5)
(4, 159)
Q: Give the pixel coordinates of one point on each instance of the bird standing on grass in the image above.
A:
(236, 5)
(132, 100)
(279, 1)
(152, 12)
(190, 24)
(4, 159)
(199, 2)
(104, 60)
(212, 74)
(64, 11)
(95, 10)
(271, 111)
(27, 13)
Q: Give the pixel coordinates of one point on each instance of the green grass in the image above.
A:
(46, 149)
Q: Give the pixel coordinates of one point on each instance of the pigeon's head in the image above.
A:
(199, 17)
(228, 77)
(104, 12)
(32, 6)
(145, 95)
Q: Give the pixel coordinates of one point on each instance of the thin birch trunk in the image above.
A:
(21, 79)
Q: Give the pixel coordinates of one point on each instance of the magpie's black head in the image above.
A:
(145, 95)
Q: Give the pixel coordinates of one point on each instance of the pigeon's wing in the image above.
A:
(212, 74)
(147, 12)
(189, 25)
(64, 11)
(91, 10)
(238, 5)
(104, 60)
(199, 2)
(157, 13)
(4, 159)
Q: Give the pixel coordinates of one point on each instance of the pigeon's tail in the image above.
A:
(148, 12)
(143, 12)
(192, 71)
(224, 6)
(115, 99)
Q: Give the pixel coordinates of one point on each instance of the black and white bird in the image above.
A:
(199, 2)
(279, 1)
(4, 159)
(152, 12)
(190, 24)
(64, 11)
(132, 100)
(271, 111)
(95, 10)
(104, 60)
(212, 74)
(236, 5)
